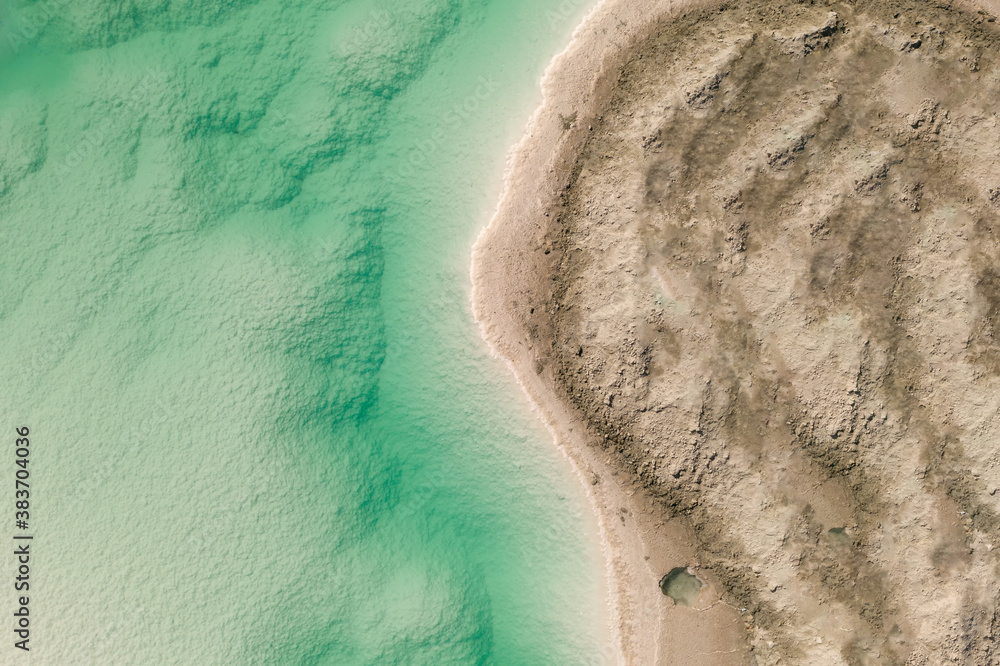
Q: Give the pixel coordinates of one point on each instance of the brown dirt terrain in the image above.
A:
(769, 288)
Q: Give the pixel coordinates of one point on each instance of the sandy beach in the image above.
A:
(640, 545)
(744, 266)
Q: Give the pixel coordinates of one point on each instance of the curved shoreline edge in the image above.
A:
(509, 275)
(509, 272)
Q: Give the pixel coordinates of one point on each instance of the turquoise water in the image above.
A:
(235, 315)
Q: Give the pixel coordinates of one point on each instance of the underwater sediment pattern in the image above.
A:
(234, 315)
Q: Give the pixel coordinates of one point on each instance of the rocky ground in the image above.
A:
(774, 298)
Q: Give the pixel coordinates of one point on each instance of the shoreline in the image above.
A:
(511, 268)
(638, 547)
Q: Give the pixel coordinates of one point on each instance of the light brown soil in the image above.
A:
(756, 291)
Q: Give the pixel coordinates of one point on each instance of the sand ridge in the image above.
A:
(745, 268)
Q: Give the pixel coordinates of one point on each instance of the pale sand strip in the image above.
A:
(509, 271)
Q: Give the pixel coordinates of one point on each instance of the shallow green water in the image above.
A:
(235, 317)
